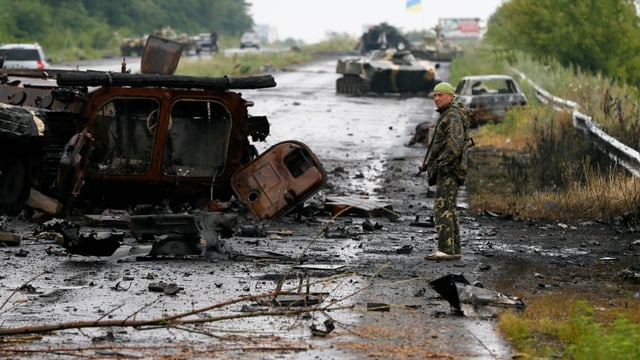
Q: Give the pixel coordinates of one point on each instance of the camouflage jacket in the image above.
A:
(448, 149)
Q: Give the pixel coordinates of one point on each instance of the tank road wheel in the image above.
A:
(13, 189)
(351, 85)
(340, 85)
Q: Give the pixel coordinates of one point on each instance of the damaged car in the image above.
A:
(489, 97)
(112, 139)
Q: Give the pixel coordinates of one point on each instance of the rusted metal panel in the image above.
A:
(160, 56)
(279, 180)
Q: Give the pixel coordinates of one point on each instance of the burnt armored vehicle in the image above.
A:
(385, 71)
(382, 37)
(115, 139)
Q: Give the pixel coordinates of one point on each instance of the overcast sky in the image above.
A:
(310, 20)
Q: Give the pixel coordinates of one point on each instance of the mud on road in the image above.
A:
(364, 267)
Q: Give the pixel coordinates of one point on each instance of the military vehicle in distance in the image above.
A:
(435, 47)
(385, 71)
(116, 139)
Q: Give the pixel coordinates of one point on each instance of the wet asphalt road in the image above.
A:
(360, 141)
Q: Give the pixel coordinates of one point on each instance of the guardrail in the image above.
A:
(617, 151)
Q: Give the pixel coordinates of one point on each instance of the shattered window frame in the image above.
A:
(201, 153)
(123, 142)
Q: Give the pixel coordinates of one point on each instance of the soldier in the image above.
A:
(446, 166)
(213, 38)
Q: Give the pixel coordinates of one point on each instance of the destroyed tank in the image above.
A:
(116, 139)
(385, 71)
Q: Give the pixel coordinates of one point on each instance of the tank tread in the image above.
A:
(351, 85)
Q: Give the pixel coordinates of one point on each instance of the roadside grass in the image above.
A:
(535, 165)
(547, 169)
(244, 64)
(252, 63)
(566, 326)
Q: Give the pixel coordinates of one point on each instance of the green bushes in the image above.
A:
(576, 336)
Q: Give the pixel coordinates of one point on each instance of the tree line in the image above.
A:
(597, 36)
(87, 26)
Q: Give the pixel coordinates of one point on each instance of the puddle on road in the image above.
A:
(489, 343)
(528, 249)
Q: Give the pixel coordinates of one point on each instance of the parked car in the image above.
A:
(489, 96)
(206, 42)
(27, 56)
(250, 39)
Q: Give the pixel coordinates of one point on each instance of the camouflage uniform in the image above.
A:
(447, 169)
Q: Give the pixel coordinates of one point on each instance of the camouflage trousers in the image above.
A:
(446, 215)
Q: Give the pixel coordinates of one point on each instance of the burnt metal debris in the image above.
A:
(72, 139)
(457, 290)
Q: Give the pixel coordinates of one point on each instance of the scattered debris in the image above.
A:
(405, 249)
(253, 230)
(22, 253)
(7, 238)
(630, 275)
(328, 325)
(367, 225)
(423, 134)
(609, 259)
(484, 267)
(293, 299)
(167, 289)
(429, 222)
(327, 267)
(91, 243)
(372, 306)
(496, 215)
(212, 226)
(457, 291)
(108, 337)
(366, 207)
(120, 221)
(48, 204)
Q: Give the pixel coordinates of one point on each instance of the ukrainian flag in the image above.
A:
(414, 5)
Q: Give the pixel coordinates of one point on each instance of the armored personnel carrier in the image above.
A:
(117, 139)
(385, 71)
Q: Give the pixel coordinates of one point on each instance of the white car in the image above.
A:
(26, 56)
(489, 96)
(250, 39)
